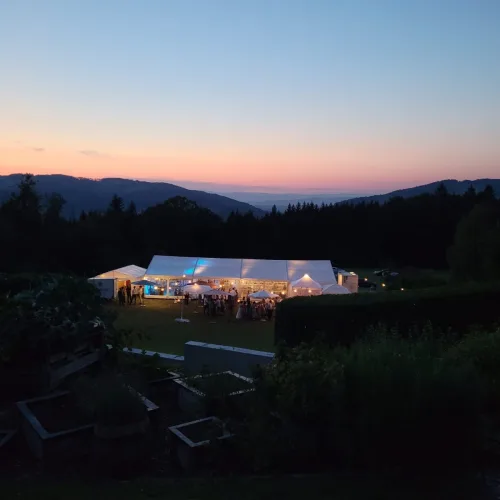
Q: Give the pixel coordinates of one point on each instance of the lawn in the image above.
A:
(156, 321)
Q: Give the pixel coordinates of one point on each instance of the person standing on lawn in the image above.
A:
(129, 292)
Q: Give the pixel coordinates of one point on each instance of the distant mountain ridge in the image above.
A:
(453, 187)
(90, 194)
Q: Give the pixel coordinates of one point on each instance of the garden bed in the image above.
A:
(68, 434)
(55, 426)
(195, 392)
(56, 414)
(191, 440)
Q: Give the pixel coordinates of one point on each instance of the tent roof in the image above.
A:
(306, 282)
(263, 294)
(217, 268)
(335, 289)
(163, 265)
(273, 270)
(257, 269)
(128, 272)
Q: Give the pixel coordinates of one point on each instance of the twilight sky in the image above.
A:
(276, 95)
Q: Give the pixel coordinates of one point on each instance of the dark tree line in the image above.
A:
(415, 232)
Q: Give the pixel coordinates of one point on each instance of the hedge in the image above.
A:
(343, 319)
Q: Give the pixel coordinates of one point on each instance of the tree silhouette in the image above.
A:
(414, 232)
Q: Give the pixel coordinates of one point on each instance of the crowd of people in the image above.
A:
(246, 308)
(213, 305)
(130, 295)
(256, 310)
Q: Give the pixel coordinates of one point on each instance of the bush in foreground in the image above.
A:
(386, 402)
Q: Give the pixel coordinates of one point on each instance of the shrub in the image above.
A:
(295, 421)
(387, 402)
(409, 406)
(482, 349)
(344, 319)
(53, 320)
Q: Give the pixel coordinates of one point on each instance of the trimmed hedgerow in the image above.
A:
(345, 318)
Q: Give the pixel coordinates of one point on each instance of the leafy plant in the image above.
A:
(482, 349)
(58, 316)
(386, 401)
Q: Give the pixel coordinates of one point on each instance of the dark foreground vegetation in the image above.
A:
(451, 310)
(402, 232)
(403, 385)
(416, 409)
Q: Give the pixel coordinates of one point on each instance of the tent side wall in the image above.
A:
(108, 287)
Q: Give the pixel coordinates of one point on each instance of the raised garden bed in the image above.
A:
(195, 393)
(191, 440)
(55, 426)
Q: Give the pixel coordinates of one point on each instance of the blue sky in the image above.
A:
(340, 95)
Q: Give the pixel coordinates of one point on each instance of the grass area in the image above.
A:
(292, 488)
(157, 322)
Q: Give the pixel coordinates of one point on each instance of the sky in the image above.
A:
(262, 95)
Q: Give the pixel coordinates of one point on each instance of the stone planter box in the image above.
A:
(192, 440)
(192, 398)
(61, 440)
(44, 443)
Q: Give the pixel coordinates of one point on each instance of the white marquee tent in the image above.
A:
(123, 273)
(261, 269)
(243, 274)
(109, 282)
